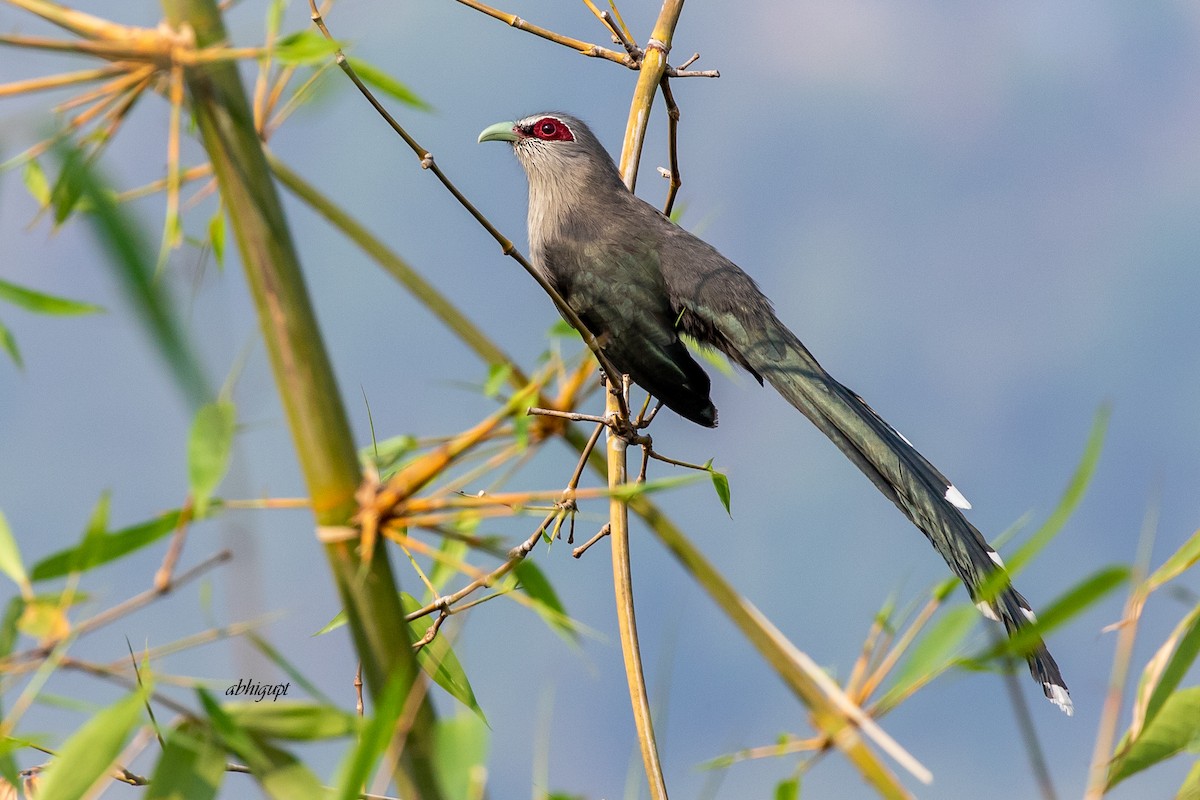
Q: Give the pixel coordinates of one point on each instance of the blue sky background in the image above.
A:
(981, 217)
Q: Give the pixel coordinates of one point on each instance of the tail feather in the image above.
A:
(902, 474)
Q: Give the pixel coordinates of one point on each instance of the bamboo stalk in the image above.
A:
(618, 520)
(304, 375)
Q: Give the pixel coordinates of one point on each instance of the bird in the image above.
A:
(638, 281)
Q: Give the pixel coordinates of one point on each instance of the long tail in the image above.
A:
(766, 347)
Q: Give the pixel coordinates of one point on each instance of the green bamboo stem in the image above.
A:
(304, 376)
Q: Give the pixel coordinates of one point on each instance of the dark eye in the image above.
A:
(547, 128)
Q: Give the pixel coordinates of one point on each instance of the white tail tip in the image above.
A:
(955, 498)
(986, 609)
(1058, 695)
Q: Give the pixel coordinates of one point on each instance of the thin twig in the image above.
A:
(122, 609)
(583, 548)
(632, 49)
(674, 181)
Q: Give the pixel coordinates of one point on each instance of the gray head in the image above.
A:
(556, 147)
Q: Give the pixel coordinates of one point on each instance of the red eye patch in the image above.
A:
(551, 130)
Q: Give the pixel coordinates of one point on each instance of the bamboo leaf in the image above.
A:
(788, 790)
(216, 237)
(69, 187)
(1179, 562)
(277, 771)
(720, 483)
(9, 343)
(1166, 670)
(192, 766)
(1190, 789)
(545, 600)
(8, 624)
(42, 303)
(86, 757)
(497, 376)
(127, 252)
(374, 76)
(295, 720)
(36, 183)
(1175, 728)
(461, 744)
(105, 548)
(209, 446)
(10, 557)
(437, 659)
(304, 47)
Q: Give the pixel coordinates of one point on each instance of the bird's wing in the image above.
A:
(618, 293)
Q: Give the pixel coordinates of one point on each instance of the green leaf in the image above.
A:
(127, 253)
(720, 483)
(36, 183)
(1190, 788)
(1167, 669)
(9, 343)
(437, 659)
(42, 303)
(192, 766)
(339, 619)
(520, 425)
(561, 329)
(209, 446)
(1174, 729)
(87, 756)
(461, 747)
(105, 548)
(388, 455)
(934, 652)
(287, 719)
(69, 186)
(216, 237)
(304, 47)
(497, 376)
(788, 790)
(373, 76)
(1179, 562)
(10, 557)
(93, 534)
(8, 624)
(545, 600)
(278, 772)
